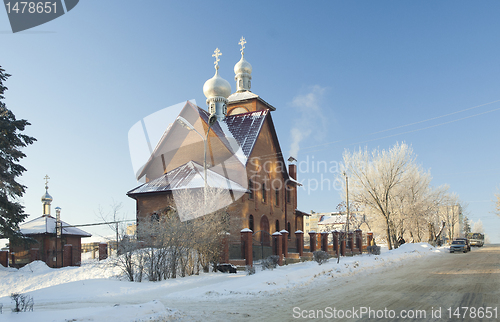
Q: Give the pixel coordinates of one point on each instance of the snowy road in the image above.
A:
(420, 288)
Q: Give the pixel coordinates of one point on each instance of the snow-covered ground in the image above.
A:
(97, 291)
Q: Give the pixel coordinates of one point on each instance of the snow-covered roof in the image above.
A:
(188, 176)
(332, 220)
(47, 225)
(242, 96)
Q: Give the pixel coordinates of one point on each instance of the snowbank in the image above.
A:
(68, 293)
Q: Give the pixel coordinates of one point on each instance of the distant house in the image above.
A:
(42, 242)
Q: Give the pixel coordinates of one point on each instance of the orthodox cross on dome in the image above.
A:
(216, 54)
(242, 43)
(46, 181)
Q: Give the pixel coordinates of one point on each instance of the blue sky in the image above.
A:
(339, 71)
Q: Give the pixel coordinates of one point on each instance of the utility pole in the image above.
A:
(347, 200)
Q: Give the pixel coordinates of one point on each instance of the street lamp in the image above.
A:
(185, 123)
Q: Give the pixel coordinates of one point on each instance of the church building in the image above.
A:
(233, 145)
(48, 239)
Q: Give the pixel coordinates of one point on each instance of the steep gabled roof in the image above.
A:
(188, 176)
(47, 225)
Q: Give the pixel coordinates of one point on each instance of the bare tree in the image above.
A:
(113, 218)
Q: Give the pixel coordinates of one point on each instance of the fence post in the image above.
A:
(359, 240)
(277, 243)
(324, 241)
(351, 241)
(299, 235)
(246, 239)
(285, 242)
(312, 241)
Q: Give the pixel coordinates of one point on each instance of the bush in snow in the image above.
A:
(250, 270)
(270, 262)
(320, 256)
(23, 302)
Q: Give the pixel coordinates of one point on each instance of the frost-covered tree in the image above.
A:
(374, 178)
(12, 141)
(477, 226)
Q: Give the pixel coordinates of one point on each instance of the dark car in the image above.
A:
(459, 245)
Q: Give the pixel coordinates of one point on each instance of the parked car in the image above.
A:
(459, 245)
(467, 241)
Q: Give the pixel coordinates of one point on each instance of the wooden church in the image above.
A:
(232, 145)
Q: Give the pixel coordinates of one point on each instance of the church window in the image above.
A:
(277, 197)
(264, 199)
(264, 227)
(289, 228)
(288, 195)
(277, 225)
(250, 188)
(250, 223)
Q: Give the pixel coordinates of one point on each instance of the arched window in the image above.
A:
(250, 223)
(264, 197)
(277, 225)
(276, 197)
(289, 230)
(250, 188)
(264, 234)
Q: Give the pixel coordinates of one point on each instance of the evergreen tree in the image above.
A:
(466, 225)
(11, 143)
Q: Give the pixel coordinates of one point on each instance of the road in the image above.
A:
(429, 289)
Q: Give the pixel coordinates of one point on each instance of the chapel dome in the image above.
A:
(217, 86)
(46, 197)
(242, 67)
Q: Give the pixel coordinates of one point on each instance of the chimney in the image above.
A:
(292, 171)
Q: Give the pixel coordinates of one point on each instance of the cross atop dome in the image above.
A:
(242, 43)
(216, 54)
(46, 181)
(242, 71)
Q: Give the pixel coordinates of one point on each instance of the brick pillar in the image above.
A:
(103, 251)
(351, 241)
(312, 241)
(224, 253)
(324, 241)
(359, 239)
(246, 240)
(4, 258)
(336, 242)
(277, 244)
(34, 254)
(342, 243)
(369, 238)
(299, 235)
(68, 255)
(285, 242)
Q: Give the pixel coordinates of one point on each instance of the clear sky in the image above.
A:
(337, 72)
